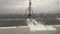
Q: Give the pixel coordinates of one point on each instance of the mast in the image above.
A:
(30, 12)
(29, 15)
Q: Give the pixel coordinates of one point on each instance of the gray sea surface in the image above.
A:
(24, 29)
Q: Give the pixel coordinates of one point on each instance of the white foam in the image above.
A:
(12, 27)
(38, 26)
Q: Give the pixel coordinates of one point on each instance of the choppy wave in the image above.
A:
(35, 26)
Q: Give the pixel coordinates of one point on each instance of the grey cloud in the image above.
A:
(9, 6)
(38, 6)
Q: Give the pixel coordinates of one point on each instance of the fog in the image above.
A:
(20, 6)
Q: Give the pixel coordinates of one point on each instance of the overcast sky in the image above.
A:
(20, 6)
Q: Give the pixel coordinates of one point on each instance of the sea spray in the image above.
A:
(35, 26)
